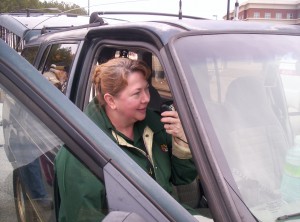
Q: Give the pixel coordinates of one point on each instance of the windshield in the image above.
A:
(250, 85)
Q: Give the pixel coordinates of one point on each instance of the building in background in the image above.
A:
(276, 11)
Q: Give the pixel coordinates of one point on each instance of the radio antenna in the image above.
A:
(180, 10)
(236, 10)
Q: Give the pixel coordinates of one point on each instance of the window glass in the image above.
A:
(27, 151)
(124, 53)
(12, 39)
(250, 88)
(278, 15)
(56, 64)
(267, 15)
(288, 69)
(43, 59)
(256, 15)
(30, 53)
(159, 80)
(289, 15)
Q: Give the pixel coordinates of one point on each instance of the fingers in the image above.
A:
(170, 120)
(170, 114)
(172, 123)
(170, 117)
(174, 129)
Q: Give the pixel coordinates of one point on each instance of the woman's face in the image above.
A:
(132, 102)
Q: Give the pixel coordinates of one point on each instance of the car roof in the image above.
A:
(165, 29)
(28, 26)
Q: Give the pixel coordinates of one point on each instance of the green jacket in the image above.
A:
(83, 196)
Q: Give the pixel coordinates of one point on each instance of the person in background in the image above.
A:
(156, 142)
(58, 76)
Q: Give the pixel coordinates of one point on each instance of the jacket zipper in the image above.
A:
(125, 143)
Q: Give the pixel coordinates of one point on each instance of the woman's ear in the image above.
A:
(110, 101)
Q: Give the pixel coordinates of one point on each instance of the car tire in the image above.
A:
(23, 206)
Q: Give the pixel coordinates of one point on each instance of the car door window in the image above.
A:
(30, 53)
(56, 63)
(288, 69)
(27, 162)
(159, 80)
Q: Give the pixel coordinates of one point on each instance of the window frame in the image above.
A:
(256, 15)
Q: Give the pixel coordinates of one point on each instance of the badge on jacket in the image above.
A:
(164, 147)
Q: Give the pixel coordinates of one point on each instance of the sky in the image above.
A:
(211, 9)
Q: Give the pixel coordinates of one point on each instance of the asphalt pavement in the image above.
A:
(1, 129)
(7, 205)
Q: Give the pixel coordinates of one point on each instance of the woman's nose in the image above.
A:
(146, 96)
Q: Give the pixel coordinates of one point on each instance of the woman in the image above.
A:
(120, 109)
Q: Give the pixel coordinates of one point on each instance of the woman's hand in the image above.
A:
(173, 125)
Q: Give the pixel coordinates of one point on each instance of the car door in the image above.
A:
(37, 119)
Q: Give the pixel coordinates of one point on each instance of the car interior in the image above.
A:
(160, 94)
(159, 89)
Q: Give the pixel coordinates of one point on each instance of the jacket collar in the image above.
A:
(98, 115)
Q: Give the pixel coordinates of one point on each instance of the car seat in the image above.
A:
(256, 142)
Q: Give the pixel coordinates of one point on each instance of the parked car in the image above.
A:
(17, 28)
(223, 78)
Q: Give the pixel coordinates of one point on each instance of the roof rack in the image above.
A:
(145, 13)
(36, 13)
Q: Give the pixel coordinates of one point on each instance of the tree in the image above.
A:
(64, 7)
(22, 5)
